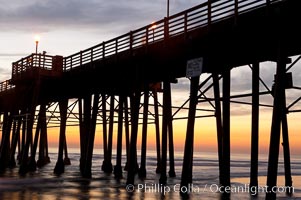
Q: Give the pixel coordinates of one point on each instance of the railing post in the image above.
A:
(39, 60)
(209, 12)
(81, 58)
(13, 70)
(236, 9)
(22, 64)
(116, 46)
(131, 41)
(146, 36)
(92, 55)
(103, 50)
(71, 63)
(65, 64)
(166, 28)
(185, 23)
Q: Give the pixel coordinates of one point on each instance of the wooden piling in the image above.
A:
(127, 133)
(90, 137)
(28, 140)
(108, 164)
(118, 167)
(60, 167)
(43, 145)
(135, 103)
(219, 125)
(226, 129)
(286, 149)
(189, 142)
(82, 134)
(157, 128)
(171, 171)
(279, 93)
(255, 127)
(104, 131)
(15, 141)
(142, 170)
(5, 142)
(32, 166)
(163, 176)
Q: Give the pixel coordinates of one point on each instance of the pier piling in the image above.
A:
(189, 142)
(118, 167)
(60, 166)
(255, 126)
(142, 169)
(135, 103)
(226, 129)
(279, 93)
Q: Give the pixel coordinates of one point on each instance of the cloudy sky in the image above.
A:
(68, 26)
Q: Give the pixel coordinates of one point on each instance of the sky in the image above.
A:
(68, 26)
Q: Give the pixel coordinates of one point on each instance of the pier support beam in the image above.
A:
(60, 167)
(135, 103)
(278, 111)
(27, 140)
(167, 133)
(15, 141)
(90, 134)
(157, 127)
(286, 149)
(171, 171)
(82, 134)
(32, 166)
(142, 170)
(118, 167)
(104, 131)
(107, 165)
(43, 146)
(255, 127)
(189, 142)
(127, 133)
(66, 159)
(85, 129)
(5, 142)
(226, 129)
(23, 137)
(219, 125)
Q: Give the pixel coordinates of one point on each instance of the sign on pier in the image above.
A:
(194, 67)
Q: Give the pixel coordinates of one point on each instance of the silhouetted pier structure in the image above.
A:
(92, 86)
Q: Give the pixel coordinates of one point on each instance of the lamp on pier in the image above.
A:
(37, 39)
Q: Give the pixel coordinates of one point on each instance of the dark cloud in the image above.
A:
(57, 14)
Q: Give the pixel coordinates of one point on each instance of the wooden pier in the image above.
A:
(118, 81)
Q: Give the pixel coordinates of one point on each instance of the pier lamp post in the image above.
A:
(167, 8)
(37, 39)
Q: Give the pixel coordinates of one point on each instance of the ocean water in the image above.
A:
(44, 185)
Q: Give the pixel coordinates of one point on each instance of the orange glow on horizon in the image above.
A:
(205, 135)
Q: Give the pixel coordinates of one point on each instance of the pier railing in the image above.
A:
(6, 85)
(40, 61)
(199, 16)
